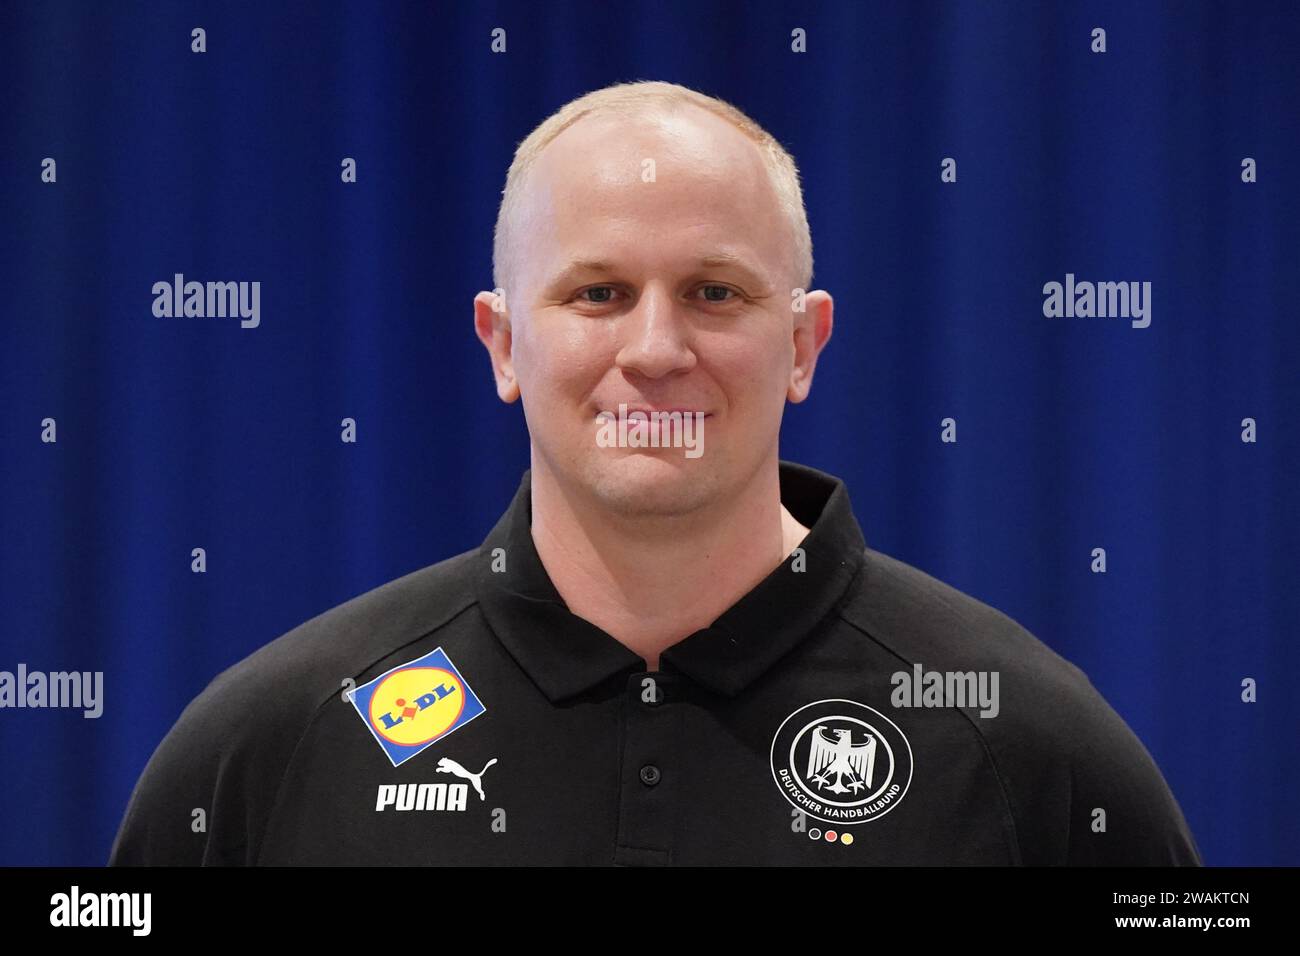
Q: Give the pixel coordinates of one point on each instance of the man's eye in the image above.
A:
(717, 288)
(604, 294)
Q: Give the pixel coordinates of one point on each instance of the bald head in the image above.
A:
(613, 188)
(646, 135)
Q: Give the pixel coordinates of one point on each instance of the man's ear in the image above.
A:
(811, 332)
(492, 324)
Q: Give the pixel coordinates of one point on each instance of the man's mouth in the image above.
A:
(667, 410)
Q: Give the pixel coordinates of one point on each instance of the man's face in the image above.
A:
(671, 292)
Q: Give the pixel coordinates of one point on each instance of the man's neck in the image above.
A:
(650, 581)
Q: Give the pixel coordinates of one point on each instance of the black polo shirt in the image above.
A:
(463, 715)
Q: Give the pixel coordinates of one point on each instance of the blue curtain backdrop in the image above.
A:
(1073, 433)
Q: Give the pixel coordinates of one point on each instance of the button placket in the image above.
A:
(647, 798)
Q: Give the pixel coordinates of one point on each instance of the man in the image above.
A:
(673, 648)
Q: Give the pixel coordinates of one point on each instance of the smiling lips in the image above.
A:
(648, 410)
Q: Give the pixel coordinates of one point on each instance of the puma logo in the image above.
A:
(447, 765)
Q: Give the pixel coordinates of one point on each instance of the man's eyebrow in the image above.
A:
(585, 265)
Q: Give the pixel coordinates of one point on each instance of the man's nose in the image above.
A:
(657, 334)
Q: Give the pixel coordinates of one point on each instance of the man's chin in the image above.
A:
(651, 481)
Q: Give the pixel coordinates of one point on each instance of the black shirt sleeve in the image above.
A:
(207, 793)
(170, 812)
(1122, 811)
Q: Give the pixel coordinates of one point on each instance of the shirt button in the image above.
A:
(649, 775)
(648, 690)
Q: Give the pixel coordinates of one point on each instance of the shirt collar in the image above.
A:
(565, 654)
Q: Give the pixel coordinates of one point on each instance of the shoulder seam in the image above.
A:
(997, 774)
(939, 593)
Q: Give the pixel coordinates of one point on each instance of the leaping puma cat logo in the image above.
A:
(447, 765)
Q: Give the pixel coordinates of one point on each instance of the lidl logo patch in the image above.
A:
(416, 704)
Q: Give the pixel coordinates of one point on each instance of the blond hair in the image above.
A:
(633, 98)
